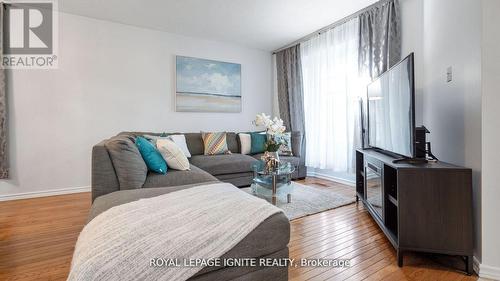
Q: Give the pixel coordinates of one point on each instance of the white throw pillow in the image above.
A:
(172, 154)
(246, 143)
(180, 140)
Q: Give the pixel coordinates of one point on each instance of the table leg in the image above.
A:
(399, 257)
(469, 265)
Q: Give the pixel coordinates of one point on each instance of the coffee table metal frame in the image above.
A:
(283, 175)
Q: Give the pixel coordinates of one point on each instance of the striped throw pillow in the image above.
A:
(215, 143)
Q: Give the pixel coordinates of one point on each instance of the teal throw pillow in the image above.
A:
(258, 142)
(152, 157)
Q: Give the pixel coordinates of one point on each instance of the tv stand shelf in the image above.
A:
(420, 207)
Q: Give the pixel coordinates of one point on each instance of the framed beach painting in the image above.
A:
(207, 86)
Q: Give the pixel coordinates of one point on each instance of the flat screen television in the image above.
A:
(391, 110)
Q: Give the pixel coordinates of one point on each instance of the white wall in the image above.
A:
(412, 41)
(452, 111)
(490, 266)
(111, 78)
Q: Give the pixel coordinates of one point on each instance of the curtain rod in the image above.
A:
(330, 26)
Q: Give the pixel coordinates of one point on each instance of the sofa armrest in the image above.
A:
(104, 179)
(297, 144)
(298, 150)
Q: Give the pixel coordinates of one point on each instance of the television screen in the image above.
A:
(391, 114)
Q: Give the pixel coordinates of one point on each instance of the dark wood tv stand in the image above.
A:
(424, 207)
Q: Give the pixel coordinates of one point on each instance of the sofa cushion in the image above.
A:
(224, 164)
(172, 154)
(194, 143)
(127, 161)
(176, 177)
(245, 143)
(237, 179)
(225, 177)
(286, 146)
(151, 156)
(258, 142)
(269, 237)
(215, 143)
(232, 142)
(178, 139)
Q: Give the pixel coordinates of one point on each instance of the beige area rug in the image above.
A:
(308, 200)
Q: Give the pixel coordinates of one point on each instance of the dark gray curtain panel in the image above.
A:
(290, 93)
(290, 90)
(380, 38)
(4, 170)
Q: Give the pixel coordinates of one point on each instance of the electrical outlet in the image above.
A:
(449, 74)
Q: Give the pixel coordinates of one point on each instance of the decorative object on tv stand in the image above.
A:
(274, 130)
(207, 85)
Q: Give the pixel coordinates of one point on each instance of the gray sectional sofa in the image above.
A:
(234, 168)
(268, 240)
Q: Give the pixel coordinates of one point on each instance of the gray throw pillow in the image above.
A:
(129, 166)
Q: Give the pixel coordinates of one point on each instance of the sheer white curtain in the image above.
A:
(332, 89)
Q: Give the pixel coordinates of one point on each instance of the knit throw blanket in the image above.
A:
(196, 223)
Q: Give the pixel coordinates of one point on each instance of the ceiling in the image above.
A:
(261, 24)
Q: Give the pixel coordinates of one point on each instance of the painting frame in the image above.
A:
(207, 85)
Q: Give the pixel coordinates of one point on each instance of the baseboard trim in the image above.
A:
(330, 177)
(44, 193)
(486, 271)
(475, 265)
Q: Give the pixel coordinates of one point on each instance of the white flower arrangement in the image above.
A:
(274, 128)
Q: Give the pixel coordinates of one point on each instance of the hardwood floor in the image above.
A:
(37, 237)
(350, 233)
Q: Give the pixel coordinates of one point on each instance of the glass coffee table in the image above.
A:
(274, 184)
